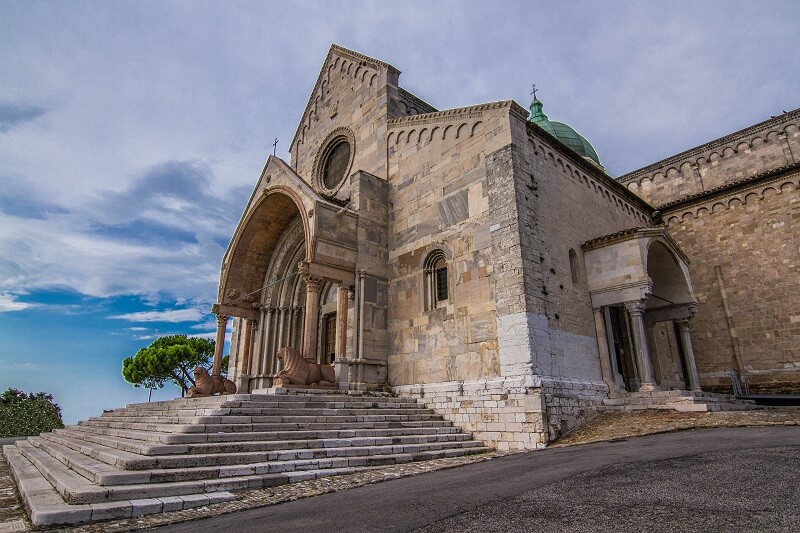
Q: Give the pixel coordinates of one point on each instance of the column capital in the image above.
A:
(635, 307)
(683, 323)
(313, 283)
(222, 319)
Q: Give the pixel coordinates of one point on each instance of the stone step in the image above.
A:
(104, 474)
(46, 507)
(682, 401)
(259, 405)
(237, 400)
(155, 440)
(277, 418)
(242, 452)
(266, 426)
(77, 489)
(167, 455)
(247, 412)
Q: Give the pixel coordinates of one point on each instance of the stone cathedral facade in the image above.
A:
(482, 260)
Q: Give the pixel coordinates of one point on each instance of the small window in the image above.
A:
(435, 278)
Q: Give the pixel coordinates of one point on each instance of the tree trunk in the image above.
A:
(187, 374)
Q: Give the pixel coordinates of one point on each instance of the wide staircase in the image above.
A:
(163, 456)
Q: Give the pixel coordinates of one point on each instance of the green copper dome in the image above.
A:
(562, 132)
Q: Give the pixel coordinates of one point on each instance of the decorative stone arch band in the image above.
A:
(252, 245)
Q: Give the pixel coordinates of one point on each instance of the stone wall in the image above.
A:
(440, 201)
(760, 148)
(511, 413)
(505, 413)
(747, 244)
(732, 206)
(562, 203)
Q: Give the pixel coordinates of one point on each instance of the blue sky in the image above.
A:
(131, 134)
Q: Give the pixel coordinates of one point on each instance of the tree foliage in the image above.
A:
(168, 359)
(28, 414)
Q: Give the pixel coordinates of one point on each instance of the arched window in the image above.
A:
(435, 278)
(573, 266)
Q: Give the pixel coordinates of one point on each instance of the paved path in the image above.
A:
(734, 479)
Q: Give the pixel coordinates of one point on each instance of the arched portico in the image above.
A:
(638, 279)
(288, 243)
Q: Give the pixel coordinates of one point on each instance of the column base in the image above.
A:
(648, 387)
(361, 374)
(242, 383)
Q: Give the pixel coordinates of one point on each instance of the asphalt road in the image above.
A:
(742, 479)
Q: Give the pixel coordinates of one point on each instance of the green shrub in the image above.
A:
(28, 414)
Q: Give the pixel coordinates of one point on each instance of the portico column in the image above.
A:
(688, 354)
(222, 325)
(311, 318)
(636, 312)
(248, 344)
(341, 322)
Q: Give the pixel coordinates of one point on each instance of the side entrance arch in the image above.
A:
(643, 302)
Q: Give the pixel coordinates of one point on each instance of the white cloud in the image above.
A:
(132, 161)
(171, 315)
(8, 303)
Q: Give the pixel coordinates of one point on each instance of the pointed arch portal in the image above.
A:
(289, 243)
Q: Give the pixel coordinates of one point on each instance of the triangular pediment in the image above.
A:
(358, 65)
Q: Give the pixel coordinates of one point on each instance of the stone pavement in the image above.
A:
(606, 427)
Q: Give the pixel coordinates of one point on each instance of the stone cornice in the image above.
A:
(692, 154)
(593, 171)
(451, 115)
(361, 57)
(751, 182)
(635, 233)
(416, 100)
(611, 238)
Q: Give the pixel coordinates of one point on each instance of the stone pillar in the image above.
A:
(311, 325)
(267, 354)
(602, 348)
(652, 347)
(279, 337)
(248, 344)
(294, 327)
(636, 312)
(688, 355)
(341, 322)
(222, 325)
